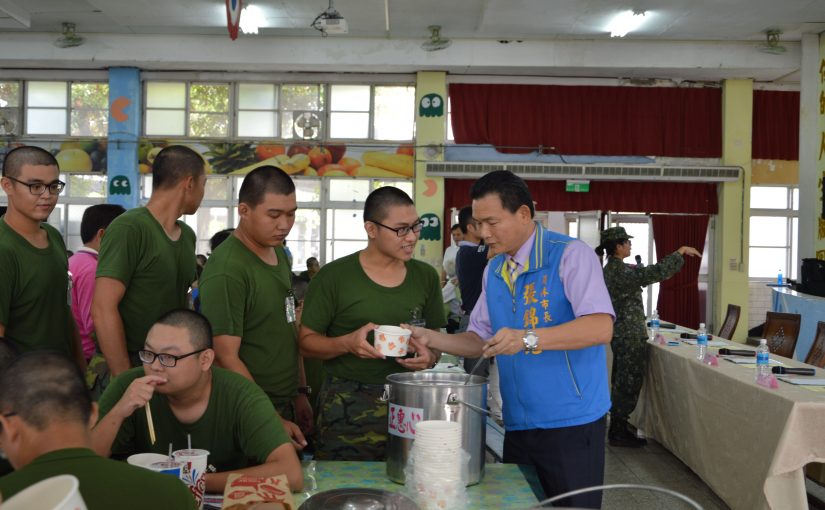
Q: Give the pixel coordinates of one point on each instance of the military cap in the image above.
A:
(615, 234)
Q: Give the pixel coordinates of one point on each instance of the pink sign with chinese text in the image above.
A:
(402, 420)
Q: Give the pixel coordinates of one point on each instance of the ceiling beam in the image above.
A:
(16, 12)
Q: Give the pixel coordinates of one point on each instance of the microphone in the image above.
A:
(736, 352)
(796, 371)
(639, 261)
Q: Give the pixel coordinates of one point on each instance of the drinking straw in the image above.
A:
(151, 424)
(170, 452)
(188, 441)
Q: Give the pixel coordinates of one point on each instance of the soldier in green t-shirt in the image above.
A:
(35, 292)
(347, 299)
(147, 259)
(221, 411)
(46, 414)
(245, 292)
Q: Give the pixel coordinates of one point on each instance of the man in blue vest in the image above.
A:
(545, 313)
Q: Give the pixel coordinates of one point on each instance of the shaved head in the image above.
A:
(27, 155)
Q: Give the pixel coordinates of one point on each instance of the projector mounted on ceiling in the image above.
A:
(330, 22)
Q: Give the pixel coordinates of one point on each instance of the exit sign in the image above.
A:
(574, 186)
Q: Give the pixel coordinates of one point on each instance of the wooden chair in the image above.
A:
(782, 331)
(816, 356)
(731, 320)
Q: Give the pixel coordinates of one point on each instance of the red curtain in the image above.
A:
(589, 120)
(679, 295)
(648, 197)
(775, 125)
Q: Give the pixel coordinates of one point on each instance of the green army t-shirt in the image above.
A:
(240, 427)
(104, 483)
(243, 296)
(34, 292)
(342, 298)
(156, 270)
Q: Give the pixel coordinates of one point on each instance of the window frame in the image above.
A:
(21, 108)
(791, 245)
(23, 117)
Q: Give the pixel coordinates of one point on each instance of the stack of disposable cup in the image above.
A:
(437, 465)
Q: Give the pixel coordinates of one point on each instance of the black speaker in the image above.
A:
(813, 277)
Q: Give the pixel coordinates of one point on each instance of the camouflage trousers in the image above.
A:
(629, 366)
(352, 421)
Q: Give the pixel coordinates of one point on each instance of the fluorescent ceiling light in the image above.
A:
(625, 21)
(252, 18)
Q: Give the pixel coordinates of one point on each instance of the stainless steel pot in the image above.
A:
(418, 396)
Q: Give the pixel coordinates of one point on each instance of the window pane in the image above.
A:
(345, 224)
(90, 123)
(47, 93)
(450, 136)
(208, 124)
(257, 96)
(768, 231)
(338, 249)
(209, 98)
(301, 251)
(348, 190)
(769, 198)
(304, 237)
(300, 97)
(9, 94)
(349, 125)
(90, 95)
(794, 247)
(795, 199)
(766, 262)
(394, 113)
(56, 218)
(217, 188)
(9, 121)
(307, 190)
(405, 186)
(351, 98)
(75, 217)
(87, 185)
(257, 124)
(165, 95)
(206, 222)
(165, 122)
(46, 121)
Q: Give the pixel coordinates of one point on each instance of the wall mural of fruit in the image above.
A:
(332, 159)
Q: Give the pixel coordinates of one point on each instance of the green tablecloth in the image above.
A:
(503, 486)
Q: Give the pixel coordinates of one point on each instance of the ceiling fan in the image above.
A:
(772, 45)
(436, 42)
(70, 39)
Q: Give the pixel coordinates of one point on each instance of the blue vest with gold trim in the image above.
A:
(551, 389)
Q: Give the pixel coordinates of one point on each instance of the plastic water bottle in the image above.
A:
(779, 279)
(763, 359)
(654, 325)
(701, 342)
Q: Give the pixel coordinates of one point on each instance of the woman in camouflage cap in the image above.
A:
(625, 282)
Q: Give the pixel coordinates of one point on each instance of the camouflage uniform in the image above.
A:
(352, 421)
(624, 282)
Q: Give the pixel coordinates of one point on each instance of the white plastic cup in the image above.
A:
(392, 340)
(194, 463)
(56, 493)
(168, 467)
(145, 460)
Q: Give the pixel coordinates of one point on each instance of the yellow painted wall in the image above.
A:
(430, 135)
(774, 171)
(730, 278)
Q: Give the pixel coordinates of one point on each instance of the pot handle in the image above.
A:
(385, 396)
(452, 400)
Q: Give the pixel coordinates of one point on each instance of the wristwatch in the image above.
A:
(531, 341)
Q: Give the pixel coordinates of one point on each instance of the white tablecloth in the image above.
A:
(747, 442)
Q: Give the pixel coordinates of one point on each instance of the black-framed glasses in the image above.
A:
(402, 231)
(165, 359)
(38, 188)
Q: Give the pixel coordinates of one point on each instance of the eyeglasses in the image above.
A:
(12, 413)
(38, 188)
(167, 360)
(402, 231)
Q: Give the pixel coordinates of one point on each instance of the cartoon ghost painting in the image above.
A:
(432, 105)
(432, 228)
(120, 185)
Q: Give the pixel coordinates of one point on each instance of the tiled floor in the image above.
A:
(653, 465)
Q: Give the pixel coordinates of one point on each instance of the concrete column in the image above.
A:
(124, 135)
(430, 136)
(809, 140)
(730, 280)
